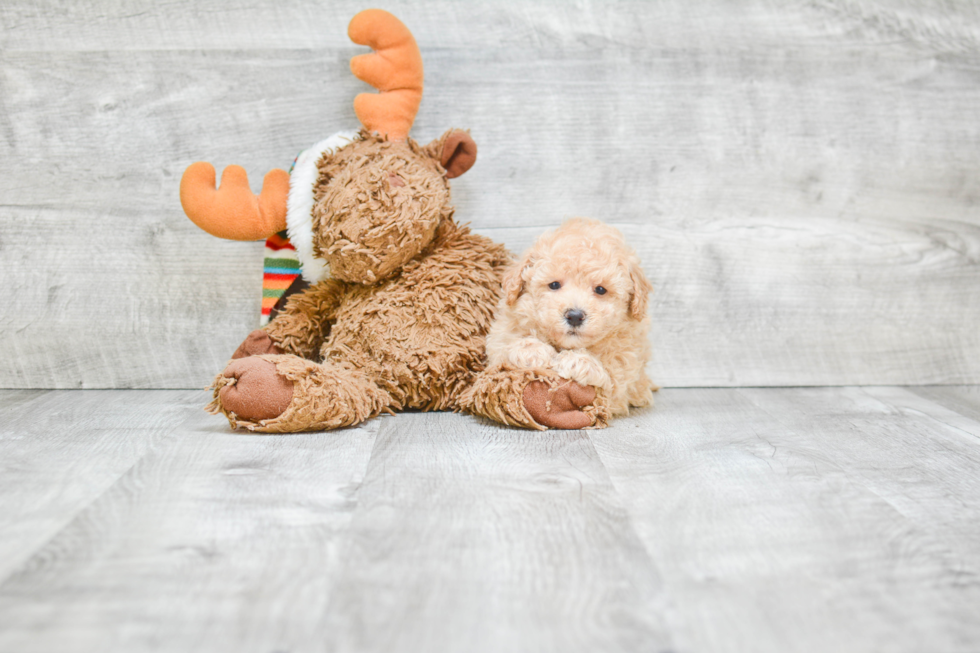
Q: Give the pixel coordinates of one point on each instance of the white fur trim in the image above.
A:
(299, 207)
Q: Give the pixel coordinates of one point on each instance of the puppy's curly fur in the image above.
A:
(576, 303)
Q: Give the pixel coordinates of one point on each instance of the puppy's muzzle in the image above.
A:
(575, 317)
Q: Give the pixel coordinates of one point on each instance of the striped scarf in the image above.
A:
(280, 274)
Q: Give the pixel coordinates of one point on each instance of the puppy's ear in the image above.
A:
(640, 295)
(515, 278)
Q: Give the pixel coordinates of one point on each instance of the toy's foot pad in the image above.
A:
(256, 343)
(255, 390)
(559, 407)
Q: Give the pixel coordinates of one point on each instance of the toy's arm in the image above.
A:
(304, 324)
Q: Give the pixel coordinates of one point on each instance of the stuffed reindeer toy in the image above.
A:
(400, 295)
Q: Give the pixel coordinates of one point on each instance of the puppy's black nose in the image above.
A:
(575, 316)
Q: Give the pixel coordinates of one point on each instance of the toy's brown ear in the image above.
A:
(516, 277)
(455, 151)
(640, 295)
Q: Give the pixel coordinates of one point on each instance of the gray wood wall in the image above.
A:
(802, 179)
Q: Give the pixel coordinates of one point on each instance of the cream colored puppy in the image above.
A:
(576, 303)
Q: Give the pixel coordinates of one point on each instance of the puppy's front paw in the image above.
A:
(531, 353)
(582, 367)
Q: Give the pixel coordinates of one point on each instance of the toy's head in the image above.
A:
(378, 202)
(360, 205)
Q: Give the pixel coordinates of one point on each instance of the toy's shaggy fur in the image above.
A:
(582, 271)
(402, 323)
(377, 205)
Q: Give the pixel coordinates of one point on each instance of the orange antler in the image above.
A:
(394, 68)
(233, 211)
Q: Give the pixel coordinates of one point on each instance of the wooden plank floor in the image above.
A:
(819, 519)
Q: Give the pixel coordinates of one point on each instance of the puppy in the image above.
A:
(576, 303)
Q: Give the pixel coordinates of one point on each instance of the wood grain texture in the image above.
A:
(799, 178)
(216, 541)
(474, 537)
(963, 399)
(784, 520)
(60, 451)
(805, 520)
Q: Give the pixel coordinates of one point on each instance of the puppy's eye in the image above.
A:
(599, 290)
(555, 285)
